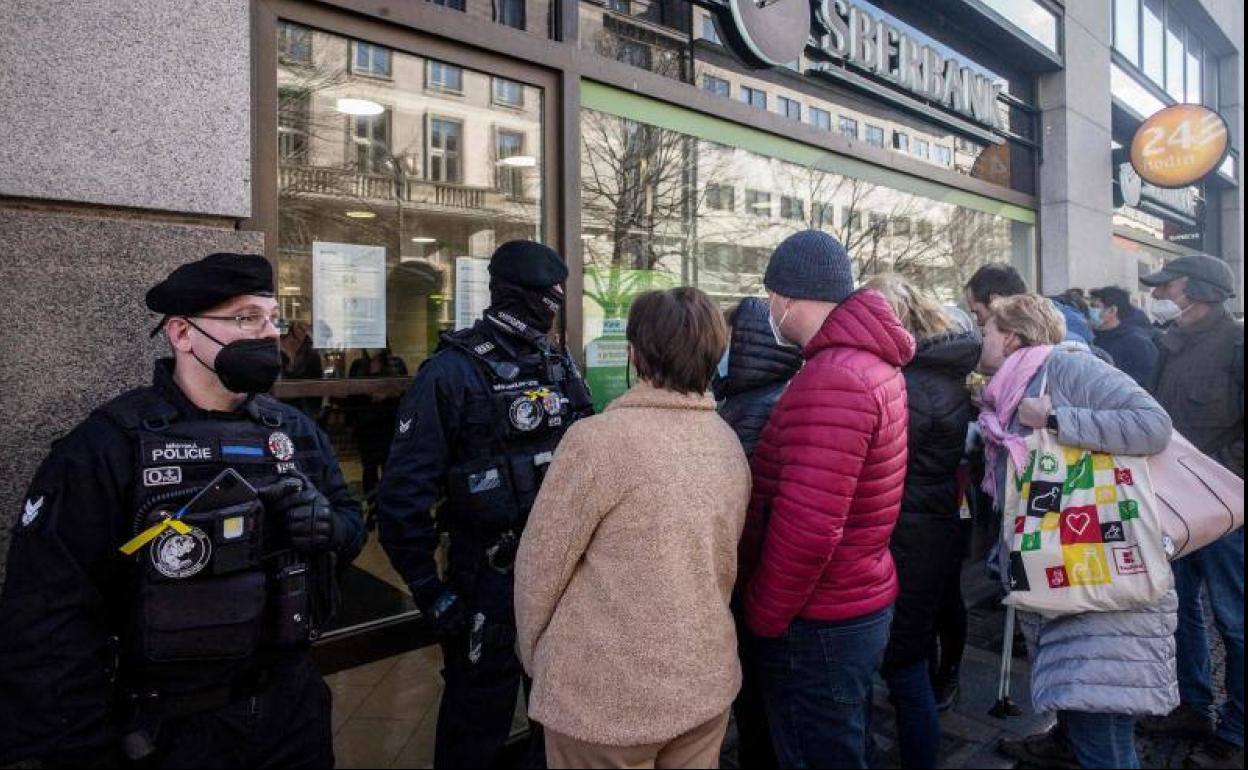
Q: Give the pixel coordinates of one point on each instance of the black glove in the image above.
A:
(442, 606)
(307, 513)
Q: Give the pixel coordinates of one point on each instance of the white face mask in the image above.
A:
(776, 326)
(1165, 311)
(723, 365)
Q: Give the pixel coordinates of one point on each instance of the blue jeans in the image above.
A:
(817, 680)
(1219, 569)
(918, 723)
(1101, 740)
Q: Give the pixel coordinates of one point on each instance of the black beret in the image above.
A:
(208, 282)
(528, 264)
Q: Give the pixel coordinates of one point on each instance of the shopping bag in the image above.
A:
(1084, 532)
(1200, 500)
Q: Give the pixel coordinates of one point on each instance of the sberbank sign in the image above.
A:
(776, 32)
(872, 44)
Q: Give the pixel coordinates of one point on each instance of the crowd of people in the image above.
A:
(852, 405)
(777, 512)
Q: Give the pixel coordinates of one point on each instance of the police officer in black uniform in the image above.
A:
(157, 611)
(475, 434)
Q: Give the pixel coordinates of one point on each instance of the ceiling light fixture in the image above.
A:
(361, 107)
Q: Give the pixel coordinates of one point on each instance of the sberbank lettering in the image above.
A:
(872, 44)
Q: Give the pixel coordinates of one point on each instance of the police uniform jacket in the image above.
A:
(67, 604)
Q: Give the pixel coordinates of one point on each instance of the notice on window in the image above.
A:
(606, 363)
(472, 290)
(348, 295)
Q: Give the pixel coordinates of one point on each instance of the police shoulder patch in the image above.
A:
(32, 509)
(281, 446)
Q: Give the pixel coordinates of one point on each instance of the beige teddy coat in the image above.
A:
(626, 568)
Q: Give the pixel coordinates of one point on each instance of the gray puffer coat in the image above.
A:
(1105, 662)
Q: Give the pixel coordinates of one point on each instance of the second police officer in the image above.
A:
(176, 553)
(475, 434)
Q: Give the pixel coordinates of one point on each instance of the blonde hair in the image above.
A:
(920, 314)
(1033, 318)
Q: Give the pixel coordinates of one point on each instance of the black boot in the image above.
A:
(1215, 753)
(1187, 721)
(947, 691)
(1047, 749)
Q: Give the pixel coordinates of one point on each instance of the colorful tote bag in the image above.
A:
(1084, 532)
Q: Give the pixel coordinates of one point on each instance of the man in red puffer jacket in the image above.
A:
(818, 579)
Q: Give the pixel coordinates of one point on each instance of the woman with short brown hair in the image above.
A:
(676, 338)
(628, 559)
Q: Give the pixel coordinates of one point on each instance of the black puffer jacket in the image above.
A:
(940, 410)
(758, 371)
(927, 543)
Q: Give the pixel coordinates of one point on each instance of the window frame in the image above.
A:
(499, 5)
(514, 185)
(494, 81)
(722, 193)
(708, 22)
(301, 130)
(438, 88)
(881, 131)
(708, 79)
(752, 200)
(432, 152)
(369, 143)
(792, 208)
(747, 97)
(356, 46)
(785, 106)
(283, 50)
(817, 111)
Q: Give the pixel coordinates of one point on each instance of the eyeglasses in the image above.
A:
(253, 322)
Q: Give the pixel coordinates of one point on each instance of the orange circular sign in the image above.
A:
(1180, 145)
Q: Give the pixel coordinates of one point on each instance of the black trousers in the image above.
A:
(483, 678)
(286, 724)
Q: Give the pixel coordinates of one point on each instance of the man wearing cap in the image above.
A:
(1200, 382)
(144, 621)
(474, 436)
(816, 577)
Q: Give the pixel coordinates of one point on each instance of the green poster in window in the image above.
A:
(606, 366)
(609, 292)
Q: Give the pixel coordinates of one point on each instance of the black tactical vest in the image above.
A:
(214, 602)
(510, 435)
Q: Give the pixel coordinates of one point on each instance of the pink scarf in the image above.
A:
(1001, 398)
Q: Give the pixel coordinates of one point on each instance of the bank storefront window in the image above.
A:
(654, 179)
(392, 194)
(996, 137)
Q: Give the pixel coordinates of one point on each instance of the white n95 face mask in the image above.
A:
(723, 364)
(1165, 311)
(776, 326)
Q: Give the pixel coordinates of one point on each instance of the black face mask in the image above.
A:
(535, 307)
(245, 366)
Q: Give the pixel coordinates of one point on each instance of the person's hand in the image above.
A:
(307, 513)
(444, 609)
(1034, 412)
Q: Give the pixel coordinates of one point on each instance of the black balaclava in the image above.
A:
(537, 308)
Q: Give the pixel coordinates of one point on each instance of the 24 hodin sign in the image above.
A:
(775, 33)
(1179, 145)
